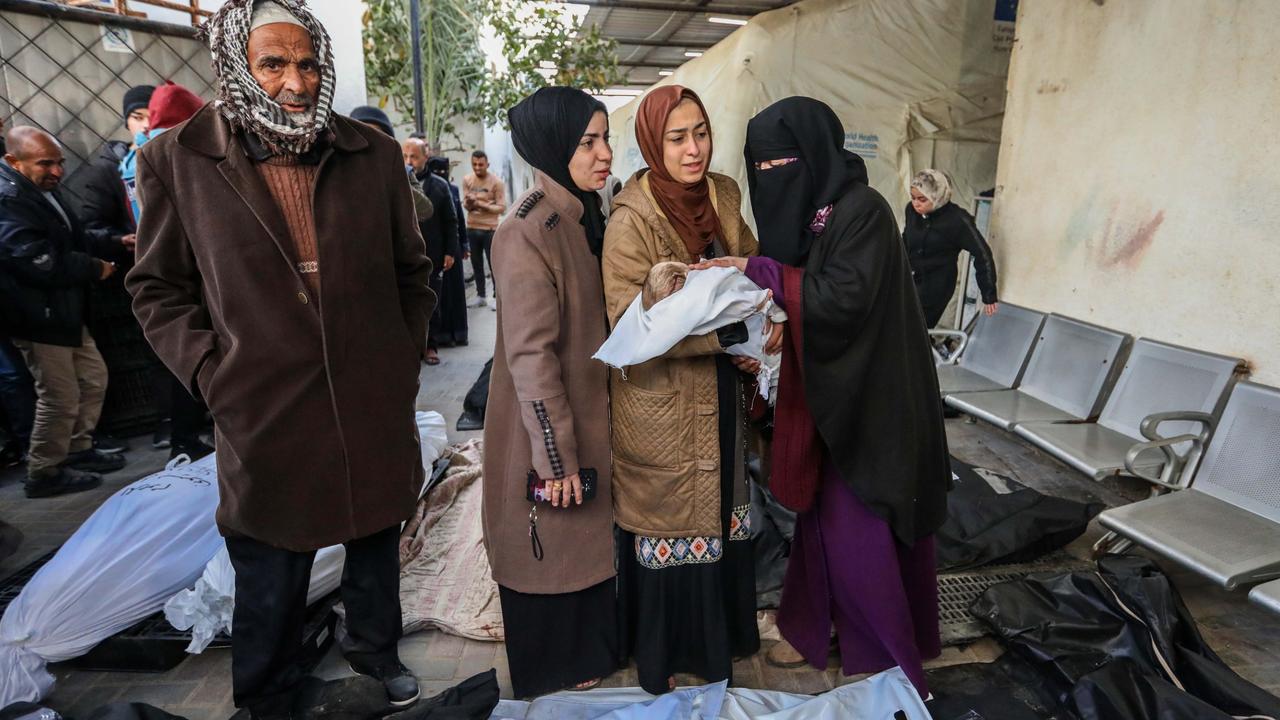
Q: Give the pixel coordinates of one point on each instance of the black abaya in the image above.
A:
(564, 639)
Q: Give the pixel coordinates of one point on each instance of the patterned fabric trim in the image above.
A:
(310, 266)
(549, 440)
(527, 206)
(740, 523)
(819, 222)
(660, 553)
(552, 221)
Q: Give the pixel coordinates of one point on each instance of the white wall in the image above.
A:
(1137, 175)
(341, 18)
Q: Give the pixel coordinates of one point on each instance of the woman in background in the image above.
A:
(935, 231)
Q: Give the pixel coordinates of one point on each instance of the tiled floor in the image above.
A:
(1246, 637)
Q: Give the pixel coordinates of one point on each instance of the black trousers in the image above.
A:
(186, 413)
(271, 606)
(481, 246)
(436, 283)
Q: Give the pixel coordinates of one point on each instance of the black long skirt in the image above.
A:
(453, 307)
(557, 641)
(690, 615)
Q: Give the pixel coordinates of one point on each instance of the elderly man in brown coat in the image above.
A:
(299, 312)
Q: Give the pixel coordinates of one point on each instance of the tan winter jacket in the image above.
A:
(665, 413)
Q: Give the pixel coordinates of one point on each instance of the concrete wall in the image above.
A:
(1137, 176)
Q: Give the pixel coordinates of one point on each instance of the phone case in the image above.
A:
(536, 489)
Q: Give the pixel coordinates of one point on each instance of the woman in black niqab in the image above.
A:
(859, 446)
(546, 128)
(785, 197)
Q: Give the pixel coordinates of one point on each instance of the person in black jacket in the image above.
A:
(45, 272)
(440, 232)
(935, 232)
(453, 301)
(98, 195)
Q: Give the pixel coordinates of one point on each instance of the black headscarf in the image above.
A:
(546, 128)
(439, 165)
(784, 199)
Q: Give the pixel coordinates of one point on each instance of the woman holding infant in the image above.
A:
(687, 581)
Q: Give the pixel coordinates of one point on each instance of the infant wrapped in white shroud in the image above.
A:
(674, 306)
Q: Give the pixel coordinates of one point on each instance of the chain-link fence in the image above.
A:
(66, 70)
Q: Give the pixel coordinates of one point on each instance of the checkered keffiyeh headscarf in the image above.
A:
(242, 101)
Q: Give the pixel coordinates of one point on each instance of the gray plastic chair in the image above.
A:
(1156, 421)
(995, 353)
(1226, 526)
(1267, 595)
(1072, 368)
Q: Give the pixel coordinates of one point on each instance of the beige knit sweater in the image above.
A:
(290, 183)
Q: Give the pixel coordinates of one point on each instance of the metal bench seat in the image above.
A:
(1226, 526)
(1166, 400)
(954, 378)
(1092, 449)
(994, 355)
(1267, 595)
(1006, 408)
(1072, 367)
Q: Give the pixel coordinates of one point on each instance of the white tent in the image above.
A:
(917, 84)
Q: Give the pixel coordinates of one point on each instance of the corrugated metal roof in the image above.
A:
(667, 34)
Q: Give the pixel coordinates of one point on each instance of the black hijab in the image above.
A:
(785, 198)
(546, 128)
(439, 166)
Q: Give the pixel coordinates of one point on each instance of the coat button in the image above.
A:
(302, 298)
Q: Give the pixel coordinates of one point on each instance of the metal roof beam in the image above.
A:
(669, 7)
(695, 45)
(660, 64)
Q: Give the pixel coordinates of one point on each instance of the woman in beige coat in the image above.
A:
(548, 413)
(687, 579)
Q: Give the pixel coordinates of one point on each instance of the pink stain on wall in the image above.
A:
(1122, 241)
(1130, 251)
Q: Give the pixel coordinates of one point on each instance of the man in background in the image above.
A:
(439, 231)
(45, 274)
(485, 199)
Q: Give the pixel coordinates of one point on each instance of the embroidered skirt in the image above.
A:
(689, 604)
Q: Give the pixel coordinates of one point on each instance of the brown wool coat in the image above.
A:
(313, 397)
(547, 398)
(665, 412)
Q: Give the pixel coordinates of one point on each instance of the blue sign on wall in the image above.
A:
(1006, 10)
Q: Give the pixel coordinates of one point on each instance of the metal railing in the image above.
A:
(122, 7)
(66, 70)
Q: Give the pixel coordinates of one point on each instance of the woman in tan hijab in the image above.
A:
(686, 574)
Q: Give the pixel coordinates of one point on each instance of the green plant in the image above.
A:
(452, 63)
(540, 46)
